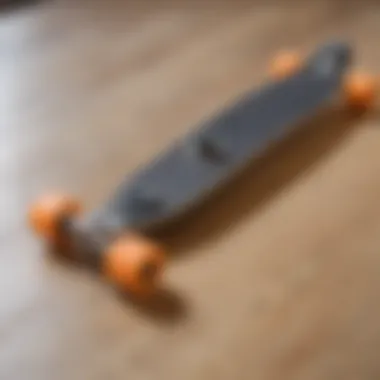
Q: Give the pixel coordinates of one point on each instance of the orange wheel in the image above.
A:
(286, 63)
(134, 264)
(46, 214)
(360, 91)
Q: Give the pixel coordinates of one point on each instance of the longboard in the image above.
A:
(188, 172)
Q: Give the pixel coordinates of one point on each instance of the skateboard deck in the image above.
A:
(203, 160)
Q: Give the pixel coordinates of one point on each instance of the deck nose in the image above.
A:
(332, 57)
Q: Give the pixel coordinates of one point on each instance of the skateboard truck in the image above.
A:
(189, 171)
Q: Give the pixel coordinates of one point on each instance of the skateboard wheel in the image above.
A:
(134, 264)
(360, 91)
(46, 214)
(284, 64)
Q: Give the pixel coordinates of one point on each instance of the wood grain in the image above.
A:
(278, 277)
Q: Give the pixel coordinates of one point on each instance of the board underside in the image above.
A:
(194, 166)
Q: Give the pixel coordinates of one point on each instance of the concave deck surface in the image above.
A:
(204, 159)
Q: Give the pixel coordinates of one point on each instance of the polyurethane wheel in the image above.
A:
(360, 91)
(134, 264)
(285, 64)
(46, 214)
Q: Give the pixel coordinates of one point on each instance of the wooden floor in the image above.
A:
(277, 278)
